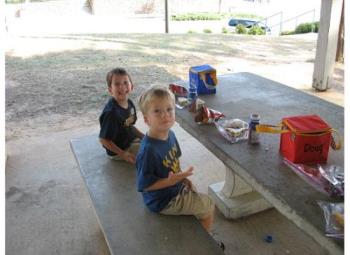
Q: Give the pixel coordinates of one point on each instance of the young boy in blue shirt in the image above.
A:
(164, 186)
(118, 135)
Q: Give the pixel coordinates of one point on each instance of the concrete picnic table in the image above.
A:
(256, 177)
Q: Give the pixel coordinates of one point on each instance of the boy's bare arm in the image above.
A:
(171, 180)
(127, 156)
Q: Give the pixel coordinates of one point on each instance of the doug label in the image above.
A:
(313, 148)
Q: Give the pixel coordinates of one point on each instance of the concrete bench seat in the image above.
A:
(128, 226)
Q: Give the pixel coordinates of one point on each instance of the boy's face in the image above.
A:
(120, 87)
(160, 116)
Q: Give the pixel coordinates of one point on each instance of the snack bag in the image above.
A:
(178, 90)
(196, 104)
(206, 115)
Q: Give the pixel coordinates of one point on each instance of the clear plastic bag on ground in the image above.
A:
(334, 217)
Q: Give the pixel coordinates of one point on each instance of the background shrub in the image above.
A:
(306, 27)
(197, 16)
(303, 28)
(240, 29)
(256, 30)
(14, 1)
(210, 16)
(288, 32)
(23, 1)
(207, 30)
(224, 30)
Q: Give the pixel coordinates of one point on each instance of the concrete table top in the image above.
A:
(261, 166)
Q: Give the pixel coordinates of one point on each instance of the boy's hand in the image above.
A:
(189, 184)
(171, 180)
(175, 178)
(129, 157)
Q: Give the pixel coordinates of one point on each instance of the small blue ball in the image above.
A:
(268, 239)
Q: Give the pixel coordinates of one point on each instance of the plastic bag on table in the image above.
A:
(334, 175)
(233, 130)
(181, 102)
(309, 174)
(322, 179)
(334, 216)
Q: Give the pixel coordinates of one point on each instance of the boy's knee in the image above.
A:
(208, 207)
(210, 203)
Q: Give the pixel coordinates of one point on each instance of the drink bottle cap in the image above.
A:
(255, 116)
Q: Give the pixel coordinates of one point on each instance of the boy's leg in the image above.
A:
(133, 148)
(189, 202)
(208, 221)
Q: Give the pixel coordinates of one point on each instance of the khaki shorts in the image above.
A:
(133, 148)
(189, 202)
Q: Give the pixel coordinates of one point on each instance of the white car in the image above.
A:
(248, 23)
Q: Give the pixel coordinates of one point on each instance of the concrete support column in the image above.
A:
(234, 185)
(235, 198)
(326, 44)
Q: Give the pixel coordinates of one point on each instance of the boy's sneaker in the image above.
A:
(221, 244)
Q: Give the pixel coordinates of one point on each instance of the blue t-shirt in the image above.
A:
(156, 158)
(117, 124)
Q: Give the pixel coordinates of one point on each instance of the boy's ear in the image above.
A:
(110, 90)
(132, 87)
(145, 119)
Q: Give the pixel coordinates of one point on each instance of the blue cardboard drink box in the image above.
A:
(203, 78)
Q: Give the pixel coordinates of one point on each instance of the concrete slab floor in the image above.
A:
(48, 209)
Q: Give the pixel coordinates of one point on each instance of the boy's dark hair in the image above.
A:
(116, 71)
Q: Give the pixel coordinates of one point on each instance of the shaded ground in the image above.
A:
(58, 82)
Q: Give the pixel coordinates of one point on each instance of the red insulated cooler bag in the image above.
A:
(304, 139)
